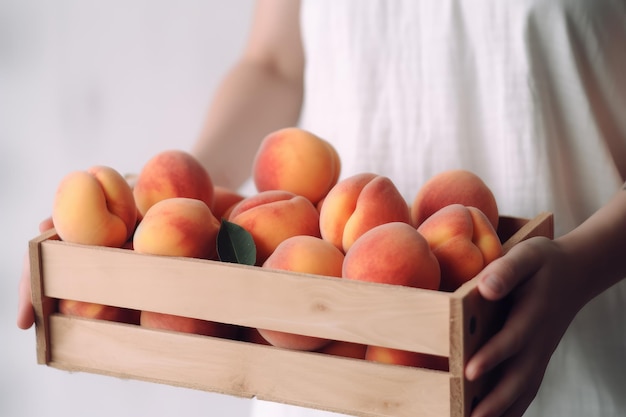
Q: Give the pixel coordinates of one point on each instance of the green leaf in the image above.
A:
(235, 244)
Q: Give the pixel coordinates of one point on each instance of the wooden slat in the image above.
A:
(43, 306)
(385, 315)
(541, 225)
(237, 368)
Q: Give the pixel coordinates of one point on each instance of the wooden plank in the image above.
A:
(369, 313)
(43, 306)
(541, 225)
(243, 369)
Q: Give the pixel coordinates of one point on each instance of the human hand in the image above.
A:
(538, 277)
(25, 313)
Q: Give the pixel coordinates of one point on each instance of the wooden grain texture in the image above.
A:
(236, 368)
(251, 296)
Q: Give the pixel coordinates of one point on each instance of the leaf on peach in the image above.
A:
(235, 244)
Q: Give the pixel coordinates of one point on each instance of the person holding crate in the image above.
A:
(530, 95)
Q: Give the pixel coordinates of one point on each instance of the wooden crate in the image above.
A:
(453, 325)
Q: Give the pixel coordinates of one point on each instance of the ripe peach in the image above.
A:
(358, 203)
(98, 311)
(464, 242)
(224, 199)
(273, 216)
(455, 186)
(345, 349)
(178, 227)
(406, 358)
(153, 320)
(393, 253)
(172, 173)
(94, 207)
(307, 254)
(298, 161)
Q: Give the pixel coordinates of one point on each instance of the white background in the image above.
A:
(97, 82)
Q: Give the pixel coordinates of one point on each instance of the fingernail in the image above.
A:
(493, 283)
(471, 371)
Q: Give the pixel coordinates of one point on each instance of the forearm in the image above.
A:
(260, 94)
(598, 248)
(252, 101)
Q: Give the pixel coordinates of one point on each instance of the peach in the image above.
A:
(172, 173)
(224, 199)
(406, 358)
(455, 186)
(358, 203)
(464, 242)
(153, 320)
(178, 227)
(98, 311)
(344, 349)
(393, 253)
(307, 254)
(273, 216)
(297, 161)
(94, 207)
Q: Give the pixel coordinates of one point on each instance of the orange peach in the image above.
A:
(297, 161)
(455, 186)
(273, 216)
(153, 320)
(94, 207)
(224, 199)
(98, 311)
(345, 349)
(406, 358)
(178, 227)
(307, 254)
(393, 253)
(464, 242)
(358, 203)
(172, 173)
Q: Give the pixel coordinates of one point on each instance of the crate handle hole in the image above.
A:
(472, 325)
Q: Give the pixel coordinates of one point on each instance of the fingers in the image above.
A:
(513, 394)
(46, 225)
(502, 275)
(522, 369)
(506, 343)
(25, 313)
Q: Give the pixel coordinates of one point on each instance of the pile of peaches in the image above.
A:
(302, 218)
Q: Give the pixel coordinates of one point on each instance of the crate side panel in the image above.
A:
(43, 306)
(244, 369)
(474, 320)
(392, 316)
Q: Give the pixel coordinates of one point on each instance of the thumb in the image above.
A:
(502, 275)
